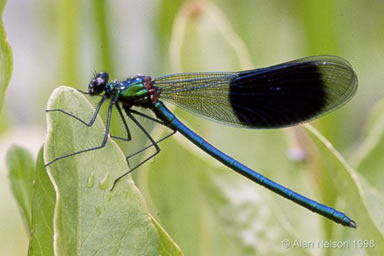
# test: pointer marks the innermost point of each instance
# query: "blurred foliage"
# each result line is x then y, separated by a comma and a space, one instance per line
43, 205
5, 59
21, 173
205, 208
369, 160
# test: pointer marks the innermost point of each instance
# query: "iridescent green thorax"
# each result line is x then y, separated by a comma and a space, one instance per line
134, 91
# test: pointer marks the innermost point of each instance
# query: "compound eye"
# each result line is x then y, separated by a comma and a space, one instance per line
103, 76
97, 84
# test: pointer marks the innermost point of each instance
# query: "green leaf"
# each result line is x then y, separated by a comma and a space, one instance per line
362, 203
202, 27
89, 218
5, 58
370, 160
167, 245
43, 206
21, 174
210, 210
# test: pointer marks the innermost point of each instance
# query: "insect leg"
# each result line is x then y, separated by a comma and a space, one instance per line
153, 143
90, 122
158, 141
107, 127
129, 136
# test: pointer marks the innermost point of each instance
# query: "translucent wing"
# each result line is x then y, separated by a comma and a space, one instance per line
272, 97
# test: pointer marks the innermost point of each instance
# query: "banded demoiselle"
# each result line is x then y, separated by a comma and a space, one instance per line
274, 97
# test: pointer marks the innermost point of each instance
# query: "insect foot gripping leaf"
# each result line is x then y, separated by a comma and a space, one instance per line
89, 218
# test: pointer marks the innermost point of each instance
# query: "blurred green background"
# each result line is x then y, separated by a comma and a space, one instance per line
206, 209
